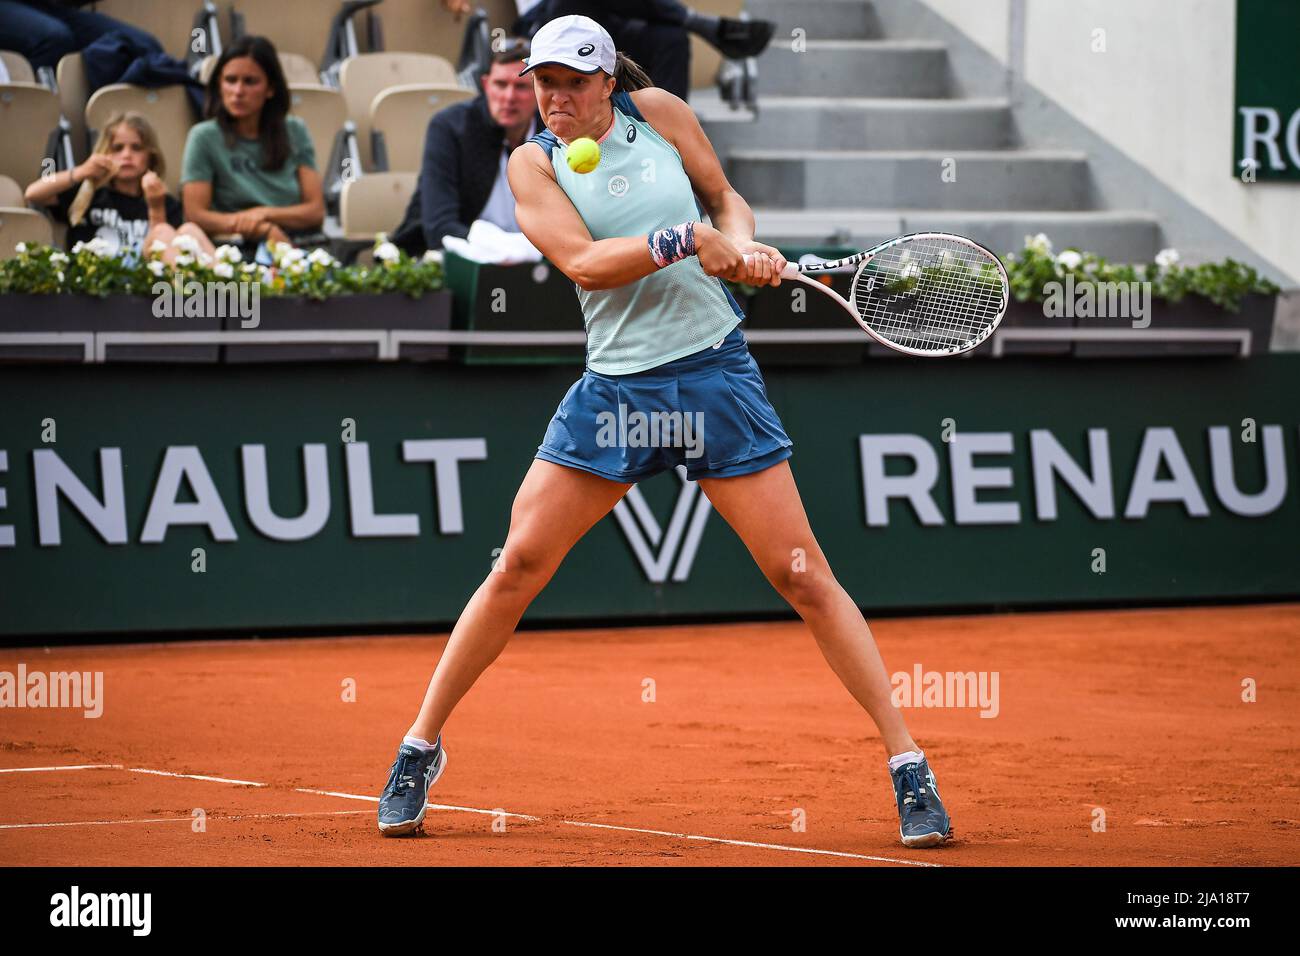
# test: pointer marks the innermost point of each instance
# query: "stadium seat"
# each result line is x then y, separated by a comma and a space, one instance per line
399, 117
365, 76
324, 111
11, 193
74, 93
170, 21
375, 203
299, 70
22, 225
168, 110
305, 27
20, 71
29, 113
419, 26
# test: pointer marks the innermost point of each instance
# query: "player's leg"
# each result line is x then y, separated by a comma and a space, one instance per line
554, 507
766, 512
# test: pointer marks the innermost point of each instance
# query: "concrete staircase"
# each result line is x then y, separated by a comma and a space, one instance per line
854, 135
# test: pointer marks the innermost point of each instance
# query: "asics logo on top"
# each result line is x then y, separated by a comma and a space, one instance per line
631, 133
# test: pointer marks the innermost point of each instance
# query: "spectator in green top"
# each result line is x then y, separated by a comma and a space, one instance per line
250, 169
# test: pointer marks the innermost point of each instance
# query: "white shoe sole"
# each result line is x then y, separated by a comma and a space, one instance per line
925, 840
402, 829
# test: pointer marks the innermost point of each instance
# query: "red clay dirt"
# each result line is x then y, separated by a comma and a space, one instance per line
1139, 713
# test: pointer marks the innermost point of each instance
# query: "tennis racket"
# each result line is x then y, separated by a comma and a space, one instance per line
928, 293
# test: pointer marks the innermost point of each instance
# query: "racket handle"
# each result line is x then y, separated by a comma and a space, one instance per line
791, 271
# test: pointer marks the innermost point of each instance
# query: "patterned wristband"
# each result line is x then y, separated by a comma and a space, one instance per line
669, 245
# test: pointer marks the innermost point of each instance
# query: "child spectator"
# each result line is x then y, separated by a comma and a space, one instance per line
118, 194
250, 169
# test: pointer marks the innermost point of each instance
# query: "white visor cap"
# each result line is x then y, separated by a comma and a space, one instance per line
577, 42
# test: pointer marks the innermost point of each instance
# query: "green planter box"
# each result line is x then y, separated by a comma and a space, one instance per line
374, 313
1193, 312
528, 297
84, 313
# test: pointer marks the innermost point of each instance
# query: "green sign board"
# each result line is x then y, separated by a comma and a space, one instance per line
1266, 118
140, 499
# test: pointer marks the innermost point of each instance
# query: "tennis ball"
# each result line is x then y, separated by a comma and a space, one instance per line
583, 155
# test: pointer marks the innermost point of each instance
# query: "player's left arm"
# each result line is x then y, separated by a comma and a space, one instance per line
673, 119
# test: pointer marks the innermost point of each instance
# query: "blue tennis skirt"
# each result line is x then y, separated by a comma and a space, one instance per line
708, 411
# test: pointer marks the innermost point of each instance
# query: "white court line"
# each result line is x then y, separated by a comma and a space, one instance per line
761, 846
431, 806
198, 776
238, 816
80, 766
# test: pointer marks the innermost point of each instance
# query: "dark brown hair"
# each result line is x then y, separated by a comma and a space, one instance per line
511, 50
271, 128
628, 75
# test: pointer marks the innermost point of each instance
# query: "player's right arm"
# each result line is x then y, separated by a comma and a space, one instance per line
552, 224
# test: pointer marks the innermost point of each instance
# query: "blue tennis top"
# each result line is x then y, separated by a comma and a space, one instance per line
638, 187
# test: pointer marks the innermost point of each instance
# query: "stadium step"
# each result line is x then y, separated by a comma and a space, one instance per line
859, 123
878, 68
912, 179
843, 19
1120, 236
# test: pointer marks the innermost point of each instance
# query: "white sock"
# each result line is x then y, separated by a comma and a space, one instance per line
419, 742
910, 756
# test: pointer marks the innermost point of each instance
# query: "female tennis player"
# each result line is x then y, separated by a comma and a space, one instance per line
662, 337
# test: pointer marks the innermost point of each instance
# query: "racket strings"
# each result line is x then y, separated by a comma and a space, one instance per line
933, 294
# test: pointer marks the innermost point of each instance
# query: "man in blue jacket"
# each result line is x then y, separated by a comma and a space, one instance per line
463, 172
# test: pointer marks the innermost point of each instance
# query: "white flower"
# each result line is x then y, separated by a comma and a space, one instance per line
77, 247
224, 269
100, 247
293, 254
205, 259
228, 253
387, 252
319, 257
59, 258
248, 267
432, 255
1069, 260
59, 275
184, 259
1039, 243
157, 247
1167, 258
297, 267
21, 248
264, 275
185, 243
157, 267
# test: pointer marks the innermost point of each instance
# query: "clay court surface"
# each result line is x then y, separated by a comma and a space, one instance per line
1136, 712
